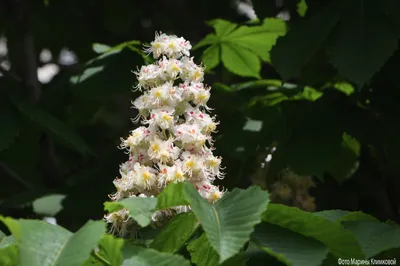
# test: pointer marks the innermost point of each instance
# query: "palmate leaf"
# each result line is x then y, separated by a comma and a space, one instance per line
300, 44
289, 247
42, 244
228, 223
341, 242
374, 236
240, 61
365, 39
316, 143
360, 36
211, 57
241, 48
139, 256
175, 234
53, 126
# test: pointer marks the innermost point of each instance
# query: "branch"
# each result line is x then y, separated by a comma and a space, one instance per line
16, 176
24, 37
28, 66
9, 74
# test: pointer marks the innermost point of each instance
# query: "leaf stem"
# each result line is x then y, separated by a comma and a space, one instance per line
100, 258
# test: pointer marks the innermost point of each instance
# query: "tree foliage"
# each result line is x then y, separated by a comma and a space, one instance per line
314, 96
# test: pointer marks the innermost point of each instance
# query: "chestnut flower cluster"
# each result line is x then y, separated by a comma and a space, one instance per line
174, 143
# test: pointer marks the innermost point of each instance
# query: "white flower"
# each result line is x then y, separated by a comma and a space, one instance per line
135, 138
175, 143
143, 177
171, 46
162, 117
173, 174
163, 151
119, 221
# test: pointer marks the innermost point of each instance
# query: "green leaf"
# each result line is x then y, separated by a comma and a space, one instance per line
341, 242
210, 39
264, 83
138, 256
344, 87
241, 48
211, 57
203, 254
44, 244
87, 73
111, 249
100, 48
222, 27
342, 216
171, 196
289, 247
112, 206
8, 251
365, 40
240, 61
175, 234
48, 205
54, 126
374, 237
346, 162
302, 8
228, 223
301, 43
258, 39
316, 144
140, 209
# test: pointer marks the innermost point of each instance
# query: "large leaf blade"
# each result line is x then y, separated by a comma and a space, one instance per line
43, 244
374, 236
341, 242
239, 61
139, 256
175, 234
289, 247
229, 223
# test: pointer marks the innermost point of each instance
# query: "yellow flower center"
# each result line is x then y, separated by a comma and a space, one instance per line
155, 147
167, 117
213, 162
197, 74
146, 176
215, 196
175, 68
179, 175
189, 164
202, 97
